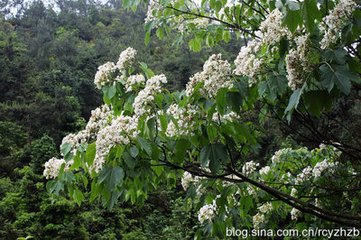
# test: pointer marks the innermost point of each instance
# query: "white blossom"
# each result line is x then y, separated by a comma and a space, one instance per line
228, 117
247, 63
294, 192
100, 117
146, 96
207, 212
249, 167
305, 175
104, 74
134, 81
298, 63
215, 75
321, 166
126, 59
265, 170
295, 214
121, 131
257, 220
333, 23
184, 118
272, 28
75, 140
187, 179
153, 8
53, 166
265, 208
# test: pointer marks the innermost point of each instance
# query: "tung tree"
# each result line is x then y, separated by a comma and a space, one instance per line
299, 62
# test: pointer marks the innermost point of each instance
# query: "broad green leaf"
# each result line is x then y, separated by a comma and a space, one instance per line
310, 13
78, 196
145, 145
317, 101
109, 91
115, 178
133, 151
293, 102
336, 74
180, 150
65, 149
90, 154
293, 19
213, 155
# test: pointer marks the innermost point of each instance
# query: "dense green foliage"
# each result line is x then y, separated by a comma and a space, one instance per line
48, 62
270, 141
300, 63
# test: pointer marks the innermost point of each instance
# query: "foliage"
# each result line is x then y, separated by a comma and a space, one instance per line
299, 59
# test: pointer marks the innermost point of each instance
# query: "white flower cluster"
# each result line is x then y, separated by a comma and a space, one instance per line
215, 75
249, 167
294, 192
228, 117
295, 214
104, 74
187, 180
258, 219
247, 63
265, 170
146, 96
133, 81
272, 28
126, 59
297, 63
305, 175
207, 212
201, 22
333, 23
74, 140
276, 158
53, 166
265, 208
183, 122
153, 8
121, 131
322, 166
100, 117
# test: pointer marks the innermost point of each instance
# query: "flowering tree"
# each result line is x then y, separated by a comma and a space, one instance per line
299, 58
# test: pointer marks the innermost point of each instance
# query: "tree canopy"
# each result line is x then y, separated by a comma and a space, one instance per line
266, 138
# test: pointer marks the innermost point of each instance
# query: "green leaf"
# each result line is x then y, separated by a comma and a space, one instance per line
65, 149
336, 74
145, 145
293, 19
180, 150
115, 178
160, 33
226, 36
90, 154
317, 101
221, 100
78, 196
54, 186
109, 91
310, 13
213, 155
195, 44
147, 38
293, 102
212, 133
134, 151
129, 160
